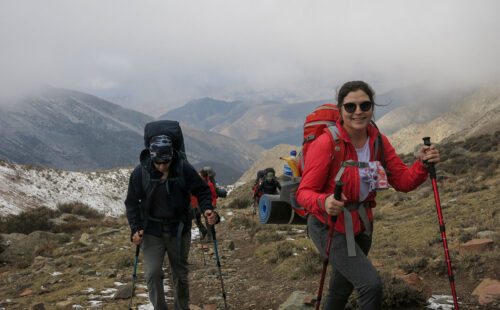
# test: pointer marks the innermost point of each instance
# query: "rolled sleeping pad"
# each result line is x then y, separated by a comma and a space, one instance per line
272, 210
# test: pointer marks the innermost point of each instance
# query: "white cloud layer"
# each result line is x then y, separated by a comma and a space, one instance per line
156, 55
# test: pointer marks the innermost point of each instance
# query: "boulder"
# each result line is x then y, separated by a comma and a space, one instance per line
296, 302
417, 283
476, 246
488, 290
19, 246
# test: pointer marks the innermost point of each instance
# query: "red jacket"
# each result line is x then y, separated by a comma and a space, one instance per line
194, 201
316, 185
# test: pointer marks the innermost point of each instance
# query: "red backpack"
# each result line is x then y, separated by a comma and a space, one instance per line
321, 120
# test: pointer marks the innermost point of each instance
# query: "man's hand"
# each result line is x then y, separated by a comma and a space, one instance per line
211, 216
137, 238
333, 206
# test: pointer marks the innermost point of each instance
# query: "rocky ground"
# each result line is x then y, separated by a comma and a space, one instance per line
88, 262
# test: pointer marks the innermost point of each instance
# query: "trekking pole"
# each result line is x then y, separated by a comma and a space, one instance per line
134, 275
432, 173
202, 252
212, 227
336, 195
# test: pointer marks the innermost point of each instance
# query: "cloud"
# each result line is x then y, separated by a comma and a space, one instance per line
156, 55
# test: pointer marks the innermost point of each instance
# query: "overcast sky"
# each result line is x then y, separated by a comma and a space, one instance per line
157, 55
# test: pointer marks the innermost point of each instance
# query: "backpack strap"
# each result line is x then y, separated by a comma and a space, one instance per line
338, 151
378, 142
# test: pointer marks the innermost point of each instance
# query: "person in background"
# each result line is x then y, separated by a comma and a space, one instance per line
363, 177
208, 175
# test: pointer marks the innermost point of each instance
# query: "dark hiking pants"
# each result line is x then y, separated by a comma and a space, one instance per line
347, 272
154, 249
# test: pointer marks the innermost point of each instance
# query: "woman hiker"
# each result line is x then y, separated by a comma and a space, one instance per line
362, 177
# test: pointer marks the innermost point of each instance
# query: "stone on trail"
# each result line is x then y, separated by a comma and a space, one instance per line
193, 307
64, 305
228, 244
296, 302
476, 246
488, 291
123, 292
26, 293
37, 306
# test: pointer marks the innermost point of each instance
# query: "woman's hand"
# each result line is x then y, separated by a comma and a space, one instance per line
429, 154
211, 217
332, 206
137, 238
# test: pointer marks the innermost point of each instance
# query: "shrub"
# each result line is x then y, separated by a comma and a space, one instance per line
240, 203
28, 221
275, 252
396, 294
416, 265
268, 236
79, 208
306, 263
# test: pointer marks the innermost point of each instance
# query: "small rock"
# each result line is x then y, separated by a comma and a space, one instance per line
418, 283
476, 246
123, 292
210, 307
64, 305
296, 302
193, 307
86, 239
26, 293
37, 306
486, 234
228, 244
210, 252
310, 300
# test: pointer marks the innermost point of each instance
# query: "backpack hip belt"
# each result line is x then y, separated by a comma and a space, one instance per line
349, 228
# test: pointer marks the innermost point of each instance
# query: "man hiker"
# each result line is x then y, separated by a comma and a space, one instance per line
158, 212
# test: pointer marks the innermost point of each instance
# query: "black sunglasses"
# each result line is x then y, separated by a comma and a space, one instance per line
161, 162
351, 107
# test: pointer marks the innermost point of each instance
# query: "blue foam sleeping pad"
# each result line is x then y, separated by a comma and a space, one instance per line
272, 210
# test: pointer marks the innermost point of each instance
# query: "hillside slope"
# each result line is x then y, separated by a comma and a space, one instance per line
476, 114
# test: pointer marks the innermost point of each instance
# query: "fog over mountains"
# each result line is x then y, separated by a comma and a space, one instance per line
70, 130
270, 124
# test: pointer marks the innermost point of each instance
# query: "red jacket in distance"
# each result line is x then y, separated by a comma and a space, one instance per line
316, 184
194, 201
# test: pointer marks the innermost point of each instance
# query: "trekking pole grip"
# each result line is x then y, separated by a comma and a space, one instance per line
432, 169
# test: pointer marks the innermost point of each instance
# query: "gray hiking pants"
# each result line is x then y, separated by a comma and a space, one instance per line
154, 249
347, 272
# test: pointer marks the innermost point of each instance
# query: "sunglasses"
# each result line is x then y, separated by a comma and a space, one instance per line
159, 163
351, 107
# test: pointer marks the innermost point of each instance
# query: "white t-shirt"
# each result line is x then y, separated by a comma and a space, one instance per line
363, 155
